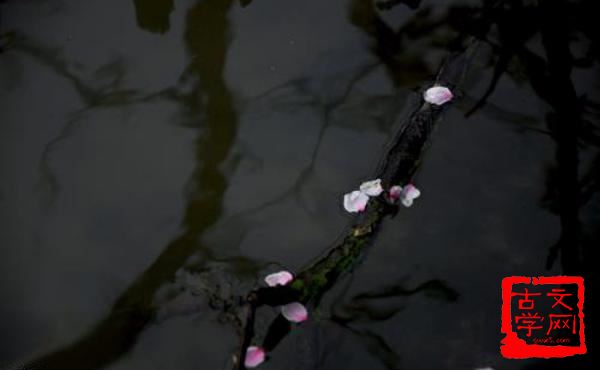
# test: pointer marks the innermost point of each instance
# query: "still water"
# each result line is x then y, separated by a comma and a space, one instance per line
159, 157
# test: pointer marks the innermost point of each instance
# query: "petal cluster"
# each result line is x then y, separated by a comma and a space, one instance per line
356, 201
406, 195
295, 311
409, 194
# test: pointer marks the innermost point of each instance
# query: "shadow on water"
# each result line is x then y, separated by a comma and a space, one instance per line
389, 45
206, 38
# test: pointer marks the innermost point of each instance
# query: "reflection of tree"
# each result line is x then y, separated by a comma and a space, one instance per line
206, 38
558, 24
153, 15
390, 46
550, 77
107, 95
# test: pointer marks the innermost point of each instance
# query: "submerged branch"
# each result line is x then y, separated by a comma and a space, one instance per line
398, 167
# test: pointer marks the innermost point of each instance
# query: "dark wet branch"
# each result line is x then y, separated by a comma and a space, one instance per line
398, 167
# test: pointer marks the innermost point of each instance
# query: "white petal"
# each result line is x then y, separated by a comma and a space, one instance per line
294, 312
406, 202
410, 191
437, 95
355, 201
408, 194
254, 356
372, 188
279, 278
395, 192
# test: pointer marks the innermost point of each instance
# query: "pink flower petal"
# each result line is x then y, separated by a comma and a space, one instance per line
355, 201
372, 188
254, 356
411, 191
395, 192
294, 312
409, 194
437, 95
279, 278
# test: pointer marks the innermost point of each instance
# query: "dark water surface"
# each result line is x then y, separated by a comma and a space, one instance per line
159, 157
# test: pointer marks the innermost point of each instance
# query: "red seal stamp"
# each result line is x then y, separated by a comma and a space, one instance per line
542, 317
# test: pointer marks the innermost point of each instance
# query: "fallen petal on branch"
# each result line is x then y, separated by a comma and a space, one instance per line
409, 194
355, 201
437, 95
279, 278
294, 312
254, 356
372, 188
